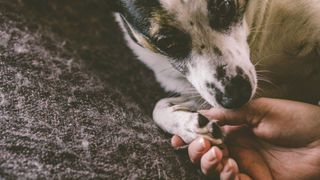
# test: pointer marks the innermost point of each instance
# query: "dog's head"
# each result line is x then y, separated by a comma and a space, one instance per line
206, 40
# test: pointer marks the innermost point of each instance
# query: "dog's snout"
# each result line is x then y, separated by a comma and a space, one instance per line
237, 92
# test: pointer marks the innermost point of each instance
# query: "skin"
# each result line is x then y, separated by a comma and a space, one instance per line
266, 139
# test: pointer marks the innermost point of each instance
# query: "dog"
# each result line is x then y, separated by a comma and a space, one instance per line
223, 53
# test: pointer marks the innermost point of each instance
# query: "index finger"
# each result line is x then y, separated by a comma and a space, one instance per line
251, 113
226, 116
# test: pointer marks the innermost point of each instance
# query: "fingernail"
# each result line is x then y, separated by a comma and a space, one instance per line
229, 166
174, 142
212, 155
201, 145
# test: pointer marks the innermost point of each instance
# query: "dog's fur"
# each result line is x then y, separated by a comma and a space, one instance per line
218, 52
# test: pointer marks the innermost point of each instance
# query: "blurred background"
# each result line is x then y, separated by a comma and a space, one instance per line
74, 102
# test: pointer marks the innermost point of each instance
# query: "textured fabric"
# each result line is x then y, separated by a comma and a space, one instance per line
74, 101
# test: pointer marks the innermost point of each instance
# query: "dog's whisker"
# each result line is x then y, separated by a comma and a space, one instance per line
259, 91
253, 29
264, 57
261, 80
264, 71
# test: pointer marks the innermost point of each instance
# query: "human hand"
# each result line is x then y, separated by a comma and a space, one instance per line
280, 140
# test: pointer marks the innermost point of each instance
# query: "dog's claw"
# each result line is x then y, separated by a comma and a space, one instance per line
202, 120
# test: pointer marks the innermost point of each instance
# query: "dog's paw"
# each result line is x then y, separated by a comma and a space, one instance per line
179, 117
200, 126
210, 127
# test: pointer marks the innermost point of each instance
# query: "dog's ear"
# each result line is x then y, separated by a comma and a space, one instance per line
138, 37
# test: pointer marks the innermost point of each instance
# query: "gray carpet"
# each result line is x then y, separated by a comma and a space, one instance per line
74, 102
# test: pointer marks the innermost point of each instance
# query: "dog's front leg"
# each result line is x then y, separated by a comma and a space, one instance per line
179, 116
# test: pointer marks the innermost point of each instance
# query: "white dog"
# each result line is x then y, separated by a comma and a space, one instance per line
214, 53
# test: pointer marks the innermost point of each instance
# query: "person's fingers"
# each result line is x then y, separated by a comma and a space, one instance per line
198, 148
211, 161
177, 142
226, 116
251, 162
241, 176
230, 170
251, 113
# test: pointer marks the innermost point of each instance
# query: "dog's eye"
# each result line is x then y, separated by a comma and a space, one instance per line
164, 43
172, 42
224, 8
221, 13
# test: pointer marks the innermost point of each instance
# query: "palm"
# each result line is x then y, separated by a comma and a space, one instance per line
263, 160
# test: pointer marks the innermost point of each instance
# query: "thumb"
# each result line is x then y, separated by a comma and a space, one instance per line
250, 114
226, 116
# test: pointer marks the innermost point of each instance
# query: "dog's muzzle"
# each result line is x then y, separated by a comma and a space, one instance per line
237, 93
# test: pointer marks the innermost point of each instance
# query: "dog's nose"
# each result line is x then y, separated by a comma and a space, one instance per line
237, 92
